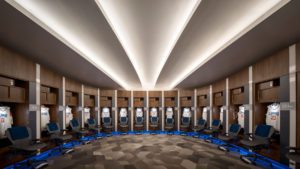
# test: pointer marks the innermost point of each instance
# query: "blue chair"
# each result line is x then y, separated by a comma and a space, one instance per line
80, 132
185, 123
21, 139
200, 125
107, 123
233, 133
139, 122
154, 121
215, 127
58, 137
169, 124
260, 139
92, 125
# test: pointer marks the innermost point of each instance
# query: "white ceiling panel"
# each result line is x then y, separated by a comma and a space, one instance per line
148, 31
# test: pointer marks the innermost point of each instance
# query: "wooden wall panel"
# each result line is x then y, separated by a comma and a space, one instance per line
219, 86
171, 93
272, 67
16, 66
107, 93
155, 93
50, 78
139, 93
90, 90
239, 79
186, 93
72, 85
203, 91
124, 93
298, 110
298, 57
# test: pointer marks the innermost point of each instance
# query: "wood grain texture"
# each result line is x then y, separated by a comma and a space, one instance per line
298, 57
124, 93
107, 93
50, 78
272, 67
298, 110
186, 93
219, 86
155, 93
203, 90
90, 90
16, 66
171, 93
239, 79
139, 94
72, 85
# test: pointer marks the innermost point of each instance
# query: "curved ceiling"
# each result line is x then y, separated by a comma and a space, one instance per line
140, 44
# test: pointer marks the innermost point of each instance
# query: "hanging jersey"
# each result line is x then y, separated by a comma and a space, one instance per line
87, 114
45, 117
153, 112
139, 112
273, 116
186, 112
69, 115
6, 120
222, 114
204, 113
241, 116
123, 112
105, 112
169, 113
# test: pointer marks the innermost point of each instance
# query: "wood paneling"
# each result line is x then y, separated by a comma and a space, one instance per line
16, 66
89, 100
219, 86
298, 57
272, 67
139, 93
72, 85
107, 93
90, 90
239, 79
124, 93
298, 110
172, 93
50, 78
186, 93
155, 93
203, 91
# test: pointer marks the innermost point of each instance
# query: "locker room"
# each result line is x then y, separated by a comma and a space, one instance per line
169, 84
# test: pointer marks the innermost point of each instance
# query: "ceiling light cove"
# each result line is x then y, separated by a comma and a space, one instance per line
148, 31
65, 27
248, 19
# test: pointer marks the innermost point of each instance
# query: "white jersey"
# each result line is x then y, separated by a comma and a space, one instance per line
273, 116
105, 112
204, 113
69, 115
153, 112
45, 117
87, 114
186, 112
123, 112
241, 116
6, 120
169, 113
139, 112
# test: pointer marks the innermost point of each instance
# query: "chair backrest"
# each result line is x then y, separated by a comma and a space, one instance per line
185, 120
169, 121
91, 122
216, 124
123, 116
53, 127
74, 123
19, 134
106, 120
263, 131
154, 120
201, 122
139, 116
234, 129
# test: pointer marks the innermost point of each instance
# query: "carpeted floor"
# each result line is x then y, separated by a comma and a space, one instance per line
148, 152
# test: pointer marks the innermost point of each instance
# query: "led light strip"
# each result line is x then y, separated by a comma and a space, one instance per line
29, 9
237, 31
147, 83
